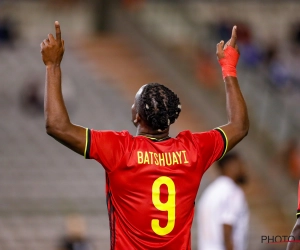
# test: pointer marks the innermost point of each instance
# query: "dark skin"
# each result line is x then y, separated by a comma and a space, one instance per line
227, 232
296, 233
59, 126
235, 169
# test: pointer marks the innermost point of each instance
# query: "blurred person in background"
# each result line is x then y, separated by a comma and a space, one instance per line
295, 241
222, 212
223, 28
7, 32
277, 72
151, 179
288, 157
292, 57
293, 159
251, 54
75, 237
32, 97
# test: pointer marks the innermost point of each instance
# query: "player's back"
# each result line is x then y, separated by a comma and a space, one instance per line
152, 186
155, 190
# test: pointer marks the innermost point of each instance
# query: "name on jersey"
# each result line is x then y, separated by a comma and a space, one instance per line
162, 159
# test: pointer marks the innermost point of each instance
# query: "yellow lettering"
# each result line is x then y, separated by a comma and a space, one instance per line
169, 163
161, 159
175, 160
156, 159
179, 156
140, 157
151, 157
146, 158
185, 160
168, 206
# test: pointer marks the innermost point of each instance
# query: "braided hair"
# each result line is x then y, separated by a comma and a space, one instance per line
158, 106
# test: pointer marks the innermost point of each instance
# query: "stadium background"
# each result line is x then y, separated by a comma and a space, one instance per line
112, 48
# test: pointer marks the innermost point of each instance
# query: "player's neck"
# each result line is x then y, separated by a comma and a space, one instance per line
148, 132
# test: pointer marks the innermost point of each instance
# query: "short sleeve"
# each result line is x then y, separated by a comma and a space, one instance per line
211, 145
106, 147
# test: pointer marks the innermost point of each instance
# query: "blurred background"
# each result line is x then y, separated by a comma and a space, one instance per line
114, 47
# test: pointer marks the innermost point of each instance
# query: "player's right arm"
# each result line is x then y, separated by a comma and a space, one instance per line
296, 233
58, 124
238, 122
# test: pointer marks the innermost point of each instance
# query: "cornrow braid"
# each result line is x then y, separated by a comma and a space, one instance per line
158, 106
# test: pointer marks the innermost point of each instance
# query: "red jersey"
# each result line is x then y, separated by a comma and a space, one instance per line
298, 210
151, 186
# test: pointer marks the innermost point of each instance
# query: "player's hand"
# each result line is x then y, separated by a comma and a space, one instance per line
228, 55
52, 49
231, 42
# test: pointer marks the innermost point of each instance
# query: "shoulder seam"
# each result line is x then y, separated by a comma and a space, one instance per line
225, 139
87, 144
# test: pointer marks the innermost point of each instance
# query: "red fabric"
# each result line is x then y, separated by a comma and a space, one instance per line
133, 165
298, 196
229, 61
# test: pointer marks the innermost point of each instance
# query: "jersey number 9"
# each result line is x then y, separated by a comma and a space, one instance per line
168, 206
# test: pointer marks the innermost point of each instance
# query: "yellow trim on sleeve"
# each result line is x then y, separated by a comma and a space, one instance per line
297, 214
226, 143
86, 141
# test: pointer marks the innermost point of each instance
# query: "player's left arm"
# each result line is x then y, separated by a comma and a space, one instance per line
296, 233
58, 124
238, 122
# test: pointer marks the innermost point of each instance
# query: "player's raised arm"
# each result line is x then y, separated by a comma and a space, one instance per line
58, 124
238, 123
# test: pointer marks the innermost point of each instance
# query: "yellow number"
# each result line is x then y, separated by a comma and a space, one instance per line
167, 206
